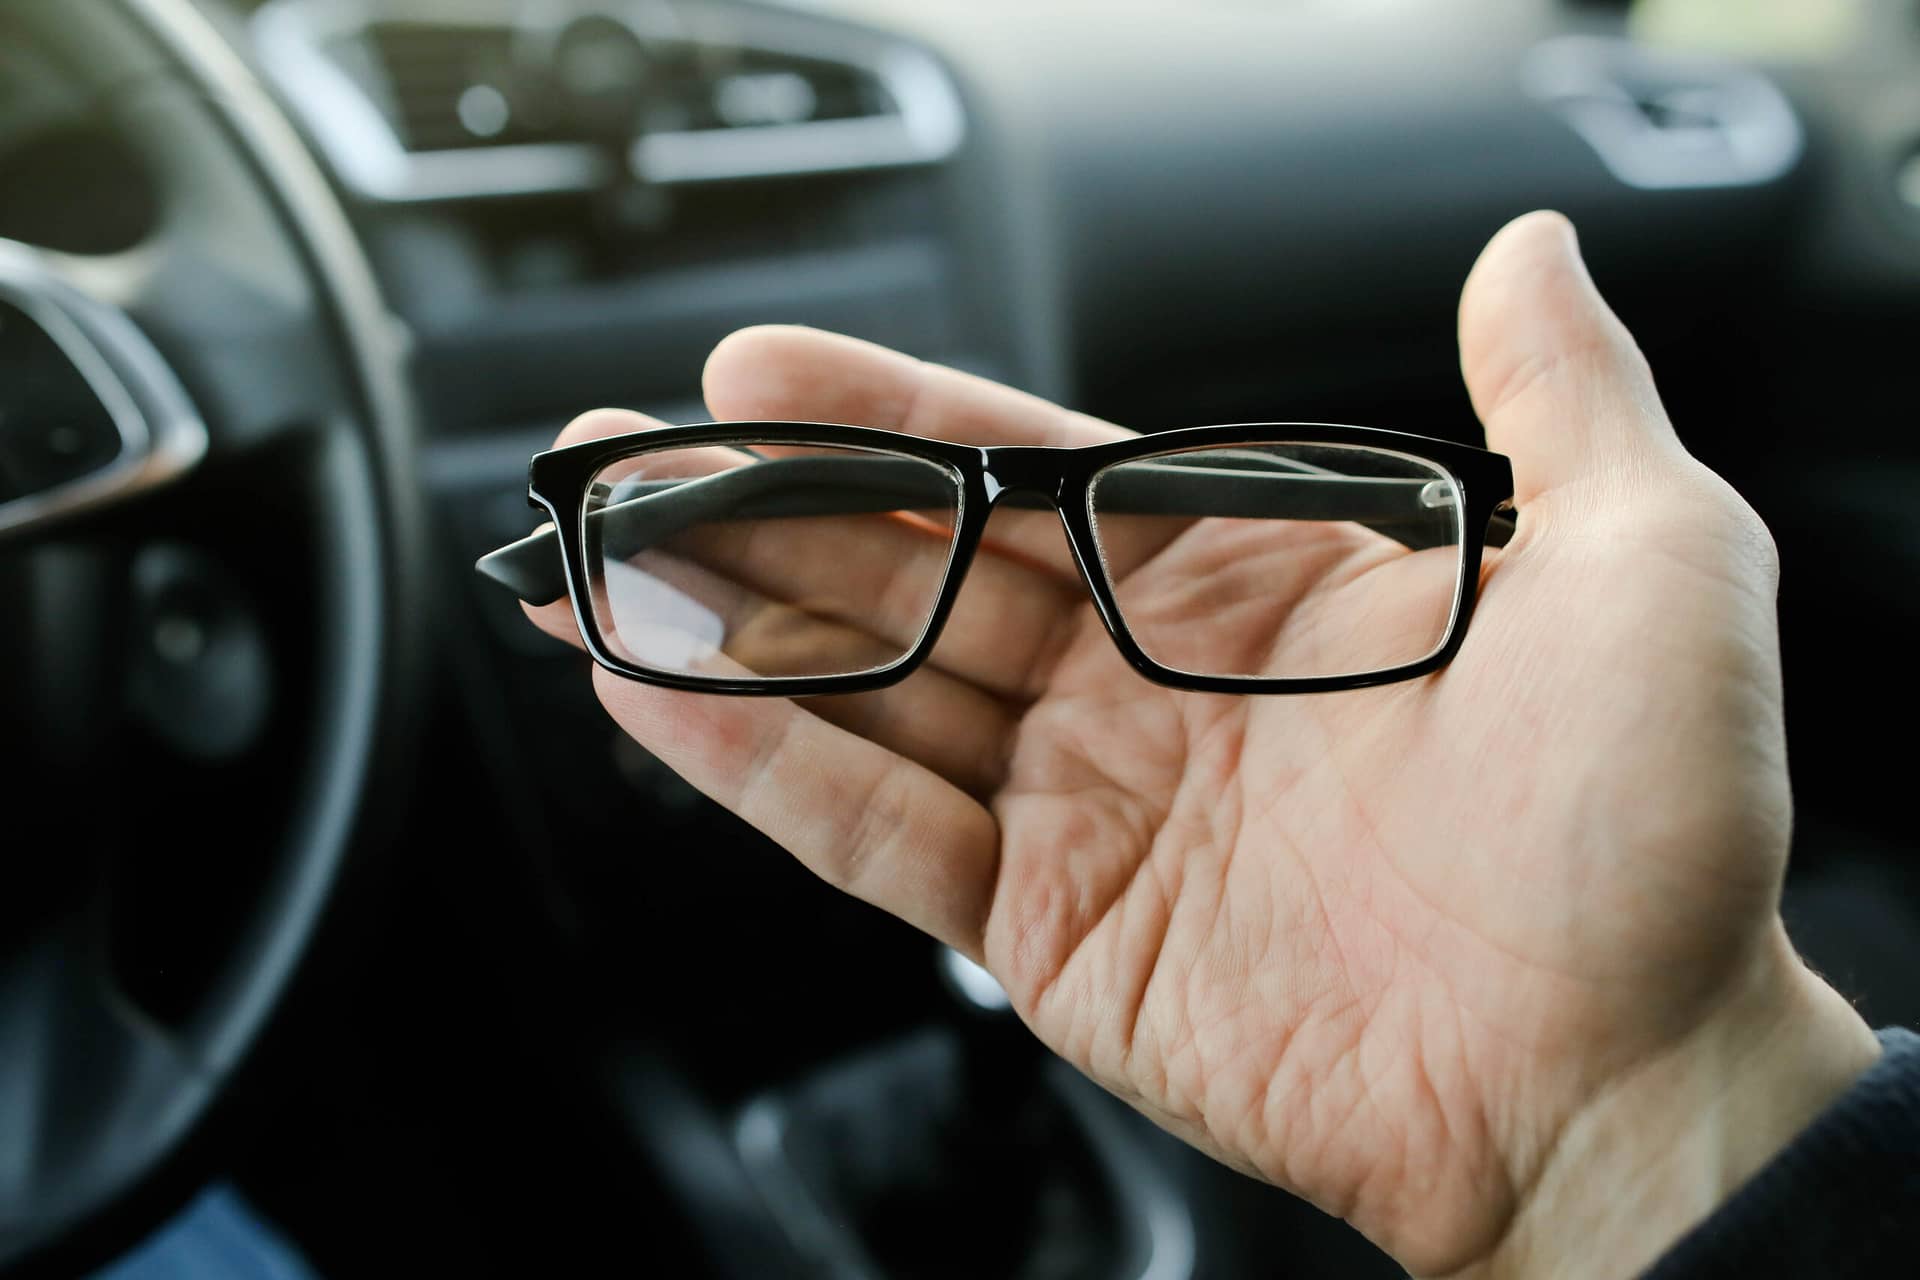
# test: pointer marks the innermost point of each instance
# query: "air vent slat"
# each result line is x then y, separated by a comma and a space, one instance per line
429, 67
417, 100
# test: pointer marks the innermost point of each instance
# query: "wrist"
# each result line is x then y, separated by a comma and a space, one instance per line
1664, 1145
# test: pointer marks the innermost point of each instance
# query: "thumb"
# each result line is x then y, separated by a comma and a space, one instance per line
1555, 377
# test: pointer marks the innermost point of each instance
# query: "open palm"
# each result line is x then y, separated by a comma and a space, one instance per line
1382, 947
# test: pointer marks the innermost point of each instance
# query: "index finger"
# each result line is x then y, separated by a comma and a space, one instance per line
790, 372
775, 372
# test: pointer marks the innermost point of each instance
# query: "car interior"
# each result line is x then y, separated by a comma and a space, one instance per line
327, 878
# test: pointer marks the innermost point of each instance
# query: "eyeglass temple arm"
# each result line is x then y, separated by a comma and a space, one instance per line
787, 487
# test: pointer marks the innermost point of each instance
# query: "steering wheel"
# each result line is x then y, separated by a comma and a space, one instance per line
210, 543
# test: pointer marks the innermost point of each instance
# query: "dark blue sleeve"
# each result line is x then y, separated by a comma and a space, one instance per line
1843, 1200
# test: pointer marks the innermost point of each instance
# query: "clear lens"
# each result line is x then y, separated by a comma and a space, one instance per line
767, 560
1281, 561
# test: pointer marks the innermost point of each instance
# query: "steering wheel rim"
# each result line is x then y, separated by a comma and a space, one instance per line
100, 1098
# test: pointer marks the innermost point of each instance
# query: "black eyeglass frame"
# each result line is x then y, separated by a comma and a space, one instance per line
558, 482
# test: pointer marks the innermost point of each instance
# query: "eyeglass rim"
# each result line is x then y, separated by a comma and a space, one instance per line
558, 481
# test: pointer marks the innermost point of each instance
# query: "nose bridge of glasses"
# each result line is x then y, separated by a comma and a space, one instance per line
1024, 468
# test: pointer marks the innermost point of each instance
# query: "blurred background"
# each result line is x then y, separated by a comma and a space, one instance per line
564, 1014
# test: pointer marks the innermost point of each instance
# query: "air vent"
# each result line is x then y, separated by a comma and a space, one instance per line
415, 100
448, 86
755, 90
1662, 121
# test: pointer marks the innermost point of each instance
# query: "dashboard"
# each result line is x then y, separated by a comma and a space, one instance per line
569, 201
1166, 212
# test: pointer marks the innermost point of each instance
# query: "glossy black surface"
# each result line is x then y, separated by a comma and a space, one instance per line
559, 478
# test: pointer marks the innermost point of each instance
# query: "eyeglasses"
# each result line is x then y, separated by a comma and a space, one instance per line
788, 558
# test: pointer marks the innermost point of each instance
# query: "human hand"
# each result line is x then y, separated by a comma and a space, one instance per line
1488, 963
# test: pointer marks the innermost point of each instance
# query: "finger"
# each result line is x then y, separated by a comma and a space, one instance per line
953, 728
774, 371
787, 372
863, 818
556, 619
1127, 542
597, 424
1326, 599
883, 576
1555, 377
880, 573
947, 725
1001, 635
779, 371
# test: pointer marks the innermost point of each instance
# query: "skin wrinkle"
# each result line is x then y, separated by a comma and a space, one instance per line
1412, 887
908, 589
907, 411
1232, 1088
1478, 1127
1183, 861
906, 414
1022, 624
902, 621
1042, 641
897, 715
1189, 899
1078, 764
629, 703
1442, 915
1332, 561
1223, 743
880, 813
1153, 945
1095, 928
759, 771
1034, 923
1329, 937
1226, 834
975, 754
1524, 1153
1535, 370
1393, 1170
1069, 936
1255, 1067
1087, 763
1229, 1081
1376, 1182
1046, 658
1620, 1079
1333, 583
1311, 1089
982, 922
1434, 1101
1399, 956
1181, 1055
